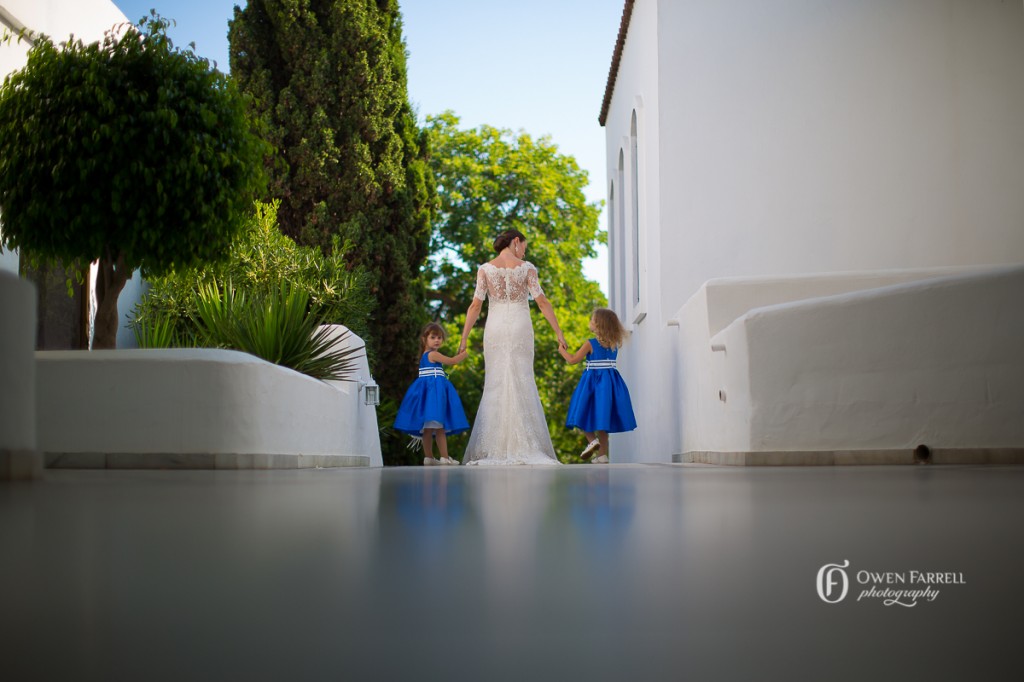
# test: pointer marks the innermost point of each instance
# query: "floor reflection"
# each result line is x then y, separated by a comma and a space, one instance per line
584, 572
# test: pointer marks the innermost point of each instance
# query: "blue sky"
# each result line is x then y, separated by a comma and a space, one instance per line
533, 65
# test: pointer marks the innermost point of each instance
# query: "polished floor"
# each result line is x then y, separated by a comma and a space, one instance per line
621, 572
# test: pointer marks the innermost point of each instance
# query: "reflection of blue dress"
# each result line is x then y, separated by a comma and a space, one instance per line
601, 399
431, 398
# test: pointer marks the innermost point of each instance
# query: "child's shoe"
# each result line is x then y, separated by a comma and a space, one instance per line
603, 459
591, 448
430, 461
449, 461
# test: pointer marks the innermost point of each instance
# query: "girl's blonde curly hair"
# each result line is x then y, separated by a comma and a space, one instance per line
609, 331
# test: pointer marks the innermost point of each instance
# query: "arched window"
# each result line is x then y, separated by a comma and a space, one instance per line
613, 249
621, 258
634, 200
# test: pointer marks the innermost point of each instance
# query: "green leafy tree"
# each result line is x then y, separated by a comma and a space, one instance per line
489, 180
126, 151
328, 80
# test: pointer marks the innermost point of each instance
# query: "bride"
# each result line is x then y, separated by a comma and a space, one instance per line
510, 427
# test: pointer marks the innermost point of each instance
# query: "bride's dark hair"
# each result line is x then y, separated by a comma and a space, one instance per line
506, 238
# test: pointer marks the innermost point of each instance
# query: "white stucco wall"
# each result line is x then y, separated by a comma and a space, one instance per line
357, 421
180, 402
716, 371
8, 259
133, 291
804, 136
933, 362
17, 364
86, 19
807, 137
638, 75
19, 457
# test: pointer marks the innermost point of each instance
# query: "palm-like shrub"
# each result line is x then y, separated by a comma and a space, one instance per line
161, 332
277, 325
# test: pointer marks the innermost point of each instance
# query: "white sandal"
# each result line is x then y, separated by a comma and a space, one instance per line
591, 448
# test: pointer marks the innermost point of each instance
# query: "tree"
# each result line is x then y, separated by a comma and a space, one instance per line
328, 80
489, 180
126, 151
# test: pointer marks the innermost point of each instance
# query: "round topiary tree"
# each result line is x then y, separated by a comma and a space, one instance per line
126, 151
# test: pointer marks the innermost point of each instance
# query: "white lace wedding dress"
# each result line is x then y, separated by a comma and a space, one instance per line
510, 427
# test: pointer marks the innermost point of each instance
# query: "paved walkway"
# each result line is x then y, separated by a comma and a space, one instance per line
621, 572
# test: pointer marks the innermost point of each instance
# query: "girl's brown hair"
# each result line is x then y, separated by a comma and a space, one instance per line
506, 238
432, 328
609, 331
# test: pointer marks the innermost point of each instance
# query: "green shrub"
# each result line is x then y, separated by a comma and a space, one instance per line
261, 261
160, 332
276, 324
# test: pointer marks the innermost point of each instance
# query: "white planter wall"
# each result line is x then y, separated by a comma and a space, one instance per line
933, 362
196, 408
18, 456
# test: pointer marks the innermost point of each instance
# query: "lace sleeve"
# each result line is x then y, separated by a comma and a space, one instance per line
533, 282
481, 285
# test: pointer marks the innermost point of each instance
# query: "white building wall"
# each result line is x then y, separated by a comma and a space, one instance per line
638, 91
58, 19
806, 136
809, 136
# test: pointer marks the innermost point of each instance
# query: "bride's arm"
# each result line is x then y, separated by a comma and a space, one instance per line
548, 311
471, 314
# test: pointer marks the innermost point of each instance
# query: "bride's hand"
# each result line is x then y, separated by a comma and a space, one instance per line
462, 346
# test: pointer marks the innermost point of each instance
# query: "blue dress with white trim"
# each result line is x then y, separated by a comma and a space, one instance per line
601, 400
432, 401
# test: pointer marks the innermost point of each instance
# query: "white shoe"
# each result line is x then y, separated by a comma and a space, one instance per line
430, 461
591, 448
449, 461
603, 459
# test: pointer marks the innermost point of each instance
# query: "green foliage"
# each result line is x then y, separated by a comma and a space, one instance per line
489, 180
160, 332
259, 262
276, 324
127, 148
328, 82
125, 151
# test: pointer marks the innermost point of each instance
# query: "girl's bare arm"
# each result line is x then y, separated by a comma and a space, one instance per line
578, 356
434, 356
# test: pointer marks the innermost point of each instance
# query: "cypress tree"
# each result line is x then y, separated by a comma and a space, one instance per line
328, 81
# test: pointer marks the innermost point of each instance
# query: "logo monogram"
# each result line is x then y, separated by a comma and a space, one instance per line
831, 577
